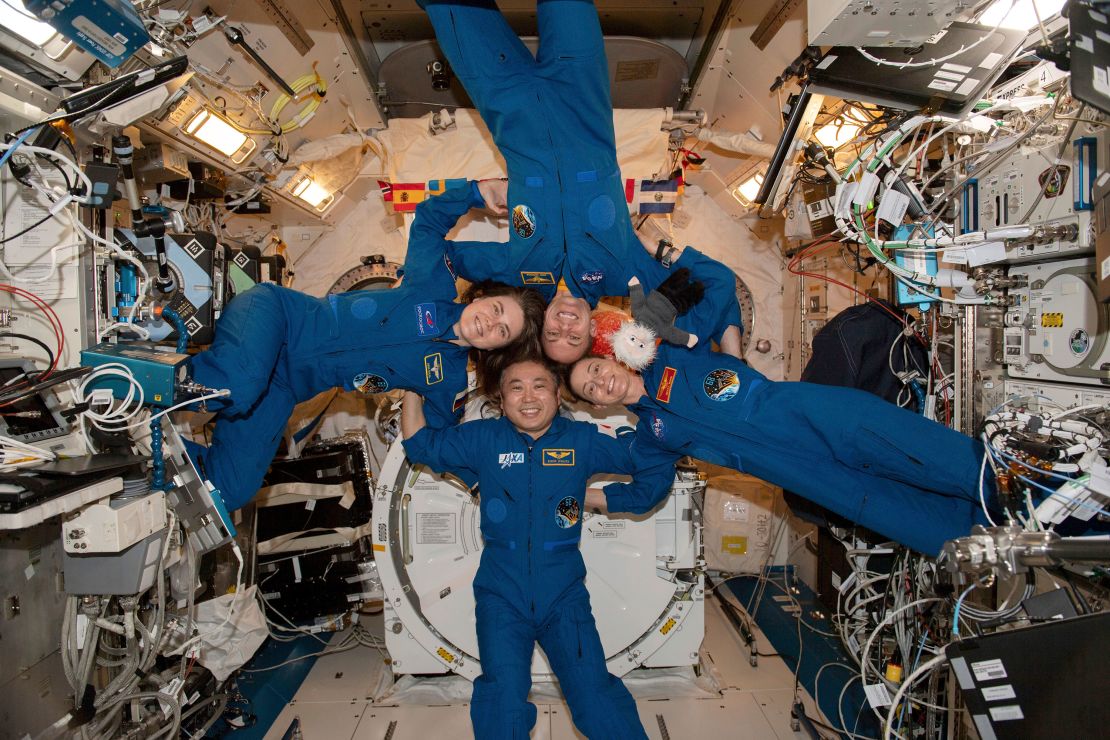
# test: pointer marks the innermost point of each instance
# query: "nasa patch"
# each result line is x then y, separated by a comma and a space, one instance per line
426, 319
524, 221
450, 266
368, 383
657, 427
567, 512
721, 385
593, 277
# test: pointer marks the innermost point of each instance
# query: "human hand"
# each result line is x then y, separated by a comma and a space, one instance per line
496, 195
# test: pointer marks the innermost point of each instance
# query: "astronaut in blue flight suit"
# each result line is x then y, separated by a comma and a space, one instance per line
277, 347
893, 471
532, 466
551, 116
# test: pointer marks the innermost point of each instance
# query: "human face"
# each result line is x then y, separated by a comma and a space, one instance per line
489, 323
529, 397
601, 381
567, 328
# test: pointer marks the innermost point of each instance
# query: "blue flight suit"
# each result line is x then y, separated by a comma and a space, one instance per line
893, 471
530, 584
551, 116
276, 347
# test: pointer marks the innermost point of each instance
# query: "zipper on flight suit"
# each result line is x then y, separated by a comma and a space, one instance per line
531, 586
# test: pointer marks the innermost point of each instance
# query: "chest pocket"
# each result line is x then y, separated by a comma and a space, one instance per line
498, 527
726, 394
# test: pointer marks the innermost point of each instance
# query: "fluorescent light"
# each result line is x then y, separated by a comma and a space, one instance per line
836, 133
16, 18
1022, 16
312, 193
217, 133
746, 191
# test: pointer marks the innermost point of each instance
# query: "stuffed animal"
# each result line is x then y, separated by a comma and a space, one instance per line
634, 345
633, 342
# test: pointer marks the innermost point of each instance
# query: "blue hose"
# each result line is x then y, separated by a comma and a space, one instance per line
918, 393
179, 324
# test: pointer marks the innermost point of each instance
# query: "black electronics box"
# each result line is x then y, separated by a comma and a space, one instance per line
208, 183
1044, 681
1090, 49
971, 65
334, 461
313, 586
820, 200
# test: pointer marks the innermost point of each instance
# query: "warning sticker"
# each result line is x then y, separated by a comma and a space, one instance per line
435, 529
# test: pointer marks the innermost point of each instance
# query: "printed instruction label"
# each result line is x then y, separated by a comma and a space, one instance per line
998, 693
988, 670
1008, 712
736, 510
435, 529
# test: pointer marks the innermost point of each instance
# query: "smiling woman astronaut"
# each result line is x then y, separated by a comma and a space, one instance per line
277, 347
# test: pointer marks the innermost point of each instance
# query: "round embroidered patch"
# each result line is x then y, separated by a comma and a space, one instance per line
721, 384
524, 221
367, 383
657, 427
496, 511
602, 212
568, 512
593, 277
1079, 342
364, 308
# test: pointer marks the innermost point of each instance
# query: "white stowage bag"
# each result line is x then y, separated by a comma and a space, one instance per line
739, 514
224, 648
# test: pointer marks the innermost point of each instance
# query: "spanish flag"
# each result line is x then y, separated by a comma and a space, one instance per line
407, 196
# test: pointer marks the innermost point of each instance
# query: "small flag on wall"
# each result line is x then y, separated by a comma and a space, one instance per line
407, 196
654, 196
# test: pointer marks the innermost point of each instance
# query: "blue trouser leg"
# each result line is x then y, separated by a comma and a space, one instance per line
571, 58
250, 336
483, 51
499, 707
243, 446
886, 468
600, 704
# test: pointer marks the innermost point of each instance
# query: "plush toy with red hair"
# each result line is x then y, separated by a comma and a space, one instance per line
633, 341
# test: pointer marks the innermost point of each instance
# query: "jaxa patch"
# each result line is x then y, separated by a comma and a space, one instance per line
508, 459
657, 427
433, 368
593, 277
537, 278
426, 319
558, 458
721, 385
524, 221
368, 383
666, 384
567, 512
